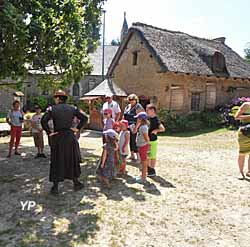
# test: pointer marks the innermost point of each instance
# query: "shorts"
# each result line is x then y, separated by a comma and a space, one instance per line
153, 150
38, 139
143, 152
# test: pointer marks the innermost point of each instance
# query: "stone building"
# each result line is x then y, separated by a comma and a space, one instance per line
178, 71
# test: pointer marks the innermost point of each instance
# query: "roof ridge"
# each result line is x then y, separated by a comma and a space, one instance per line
140, 24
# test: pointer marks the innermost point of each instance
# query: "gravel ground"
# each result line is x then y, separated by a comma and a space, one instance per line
196, 199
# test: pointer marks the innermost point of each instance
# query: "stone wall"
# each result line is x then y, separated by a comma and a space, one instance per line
146, 79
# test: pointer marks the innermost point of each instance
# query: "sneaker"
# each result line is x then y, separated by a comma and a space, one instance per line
42, 155
151, 172
139, 180
17, 153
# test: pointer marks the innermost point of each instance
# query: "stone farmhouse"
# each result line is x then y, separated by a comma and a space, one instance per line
177, 71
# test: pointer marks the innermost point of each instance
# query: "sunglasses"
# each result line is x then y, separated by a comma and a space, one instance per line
131, 99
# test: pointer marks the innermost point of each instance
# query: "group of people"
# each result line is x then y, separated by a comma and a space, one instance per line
135, 133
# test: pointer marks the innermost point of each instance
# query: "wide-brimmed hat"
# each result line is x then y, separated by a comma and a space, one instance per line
60, 93
111, 133
142, 115
132, 96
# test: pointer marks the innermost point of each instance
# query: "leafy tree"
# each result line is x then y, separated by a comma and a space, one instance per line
43, 33
115, 42
247, 52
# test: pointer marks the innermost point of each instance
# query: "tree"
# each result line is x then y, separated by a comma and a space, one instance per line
43, 33
247, 53
115, 42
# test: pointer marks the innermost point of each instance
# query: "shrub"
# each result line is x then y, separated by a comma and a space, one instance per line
190, 122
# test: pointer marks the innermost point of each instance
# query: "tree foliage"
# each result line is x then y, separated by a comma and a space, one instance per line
247, 53
43, 33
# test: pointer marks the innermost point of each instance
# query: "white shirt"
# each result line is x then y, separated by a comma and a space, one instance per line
114, 106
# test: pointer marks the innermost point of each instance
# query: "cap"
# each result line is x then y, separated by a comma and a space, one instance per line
109, 111
37, 107
142, 115
111, 133
116, 124
60, 93
125, 122
108, 95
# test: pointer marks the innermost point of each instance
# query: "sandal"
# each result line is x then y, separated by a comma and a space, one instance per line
248, 174
241, 176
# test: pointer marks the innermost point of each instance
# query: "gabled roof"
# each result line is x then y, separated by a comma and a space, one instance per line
106, 87
181, 52
96, 58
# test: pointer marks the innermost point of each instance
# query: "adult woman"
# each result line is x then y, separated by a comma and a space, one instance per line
131, 110
243, 114
15, 120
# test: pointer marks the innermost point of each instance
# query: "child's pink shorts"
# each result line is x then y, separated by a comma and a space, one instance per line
143, 152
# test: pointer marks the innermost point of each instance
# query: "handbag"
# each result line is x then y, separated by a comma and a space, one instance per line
246, 130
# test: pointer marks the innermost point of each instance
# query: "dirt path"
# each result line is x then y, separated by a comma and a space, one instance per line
195, 201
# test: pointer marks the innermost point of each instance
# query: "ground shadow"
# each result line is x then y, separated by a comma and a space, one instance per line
162, 182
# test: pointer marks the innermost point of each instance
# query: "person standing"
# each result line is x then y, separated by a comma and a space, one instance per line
113, 105
15, 120
155, 126
142, 141
37, 132
243, 114
65, 150
131, 110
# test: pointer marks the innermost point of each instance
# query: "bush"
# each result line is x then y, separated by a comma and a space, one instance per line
190, 122
230, 110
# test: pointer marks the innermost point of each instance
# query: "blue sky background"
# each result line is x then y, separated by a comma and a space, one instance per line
202, 18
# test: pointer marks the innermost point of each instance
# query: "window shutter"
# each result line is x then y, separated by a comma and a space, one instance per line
210, 96
177, 99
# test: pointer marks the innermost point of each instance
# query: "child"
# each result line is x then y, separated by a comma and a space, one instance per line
108, 121
37, 132
124, 139
15, 120
117, 127
155, 127
142, 142
107, 165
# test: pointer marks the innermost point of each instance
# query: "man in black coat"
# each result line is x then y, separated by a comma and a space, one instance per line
65, 150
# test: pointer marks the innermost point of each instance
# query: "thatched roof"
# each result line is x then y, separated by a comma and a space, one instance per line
181, 52
104, 88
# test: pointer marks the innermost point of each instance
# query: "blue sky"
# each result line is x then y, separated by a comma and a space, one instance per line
202, 18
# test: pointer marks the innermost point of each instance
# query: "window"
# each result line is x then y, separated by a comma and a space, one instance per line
218, 63
195, 102
210, 96
135, 58
76, 89
177, 98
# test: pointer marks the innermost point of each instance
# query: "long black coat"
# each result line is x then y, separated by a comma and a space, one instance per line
65, 151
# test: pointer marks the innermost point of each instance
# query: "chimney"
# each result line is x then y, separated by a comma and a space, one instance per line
220, 39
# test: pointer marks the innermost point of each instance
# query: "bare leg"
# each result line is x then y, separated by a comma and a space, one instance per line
152, 163
144, 169
241, 160
248, 168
